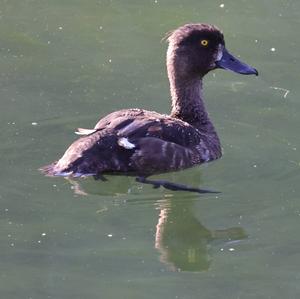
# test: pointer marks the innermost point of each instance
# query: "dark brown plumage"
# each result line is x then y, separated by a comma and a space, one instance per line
146, 142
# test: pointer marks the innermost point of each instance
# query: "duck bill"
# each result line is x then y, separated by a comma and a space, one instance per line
229, 62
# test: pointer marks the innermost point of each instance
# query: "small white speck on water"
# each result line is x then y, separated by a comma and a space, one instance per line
256, 41
231, 249
34, 123
272, 49
39, 241
12, 244
254, 165
155, 1
109, 235
222, 249
60, 28
109, 60
100, 28
43, 234
285, 91
48, 42
222, 5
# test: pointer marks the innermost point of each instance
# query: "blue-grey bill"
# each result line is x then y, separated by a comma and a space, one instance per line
229, 62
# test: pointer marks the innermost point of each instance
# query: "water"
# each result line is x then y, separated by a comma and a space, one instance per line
64, 64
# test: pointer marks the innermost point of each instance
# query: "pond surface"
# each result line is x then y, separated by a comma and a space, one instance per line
63, 65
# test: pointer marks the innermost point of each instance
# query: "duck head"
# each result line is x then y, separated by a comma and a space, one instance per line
196, 49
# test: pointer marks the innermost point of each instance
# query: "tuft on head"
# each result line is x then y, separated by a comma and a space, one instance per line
196, 49
193, 50
189, 32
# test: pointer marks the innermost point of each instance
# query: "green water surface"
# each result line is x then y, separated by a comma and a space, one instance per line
66, 63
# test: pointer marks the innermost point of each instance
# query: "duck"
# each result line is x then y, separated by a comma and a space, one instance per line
143, 143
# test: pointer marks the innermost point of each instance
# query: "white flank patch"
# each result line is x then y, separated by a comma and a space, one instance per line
125, 143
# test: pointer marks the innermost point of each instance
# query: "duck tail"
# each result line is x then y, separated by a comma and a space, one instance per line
53, 171
48, 170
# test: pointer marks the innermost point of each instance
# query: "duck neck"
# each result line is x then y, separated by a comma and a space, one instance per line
187, 102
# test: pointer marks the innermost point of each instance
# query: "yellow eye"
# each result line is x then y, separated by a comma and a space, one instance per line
204, 42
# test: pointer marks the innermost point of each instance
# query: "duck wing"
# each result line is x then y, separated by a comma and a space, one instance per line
139, 123
133, 140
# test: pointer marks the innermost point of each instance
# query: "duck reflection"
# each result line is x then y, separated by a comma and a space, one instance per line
182, 241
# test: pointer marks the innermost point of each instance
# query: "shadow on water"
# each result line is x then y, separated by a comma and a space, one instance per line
183, 242
116, 184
